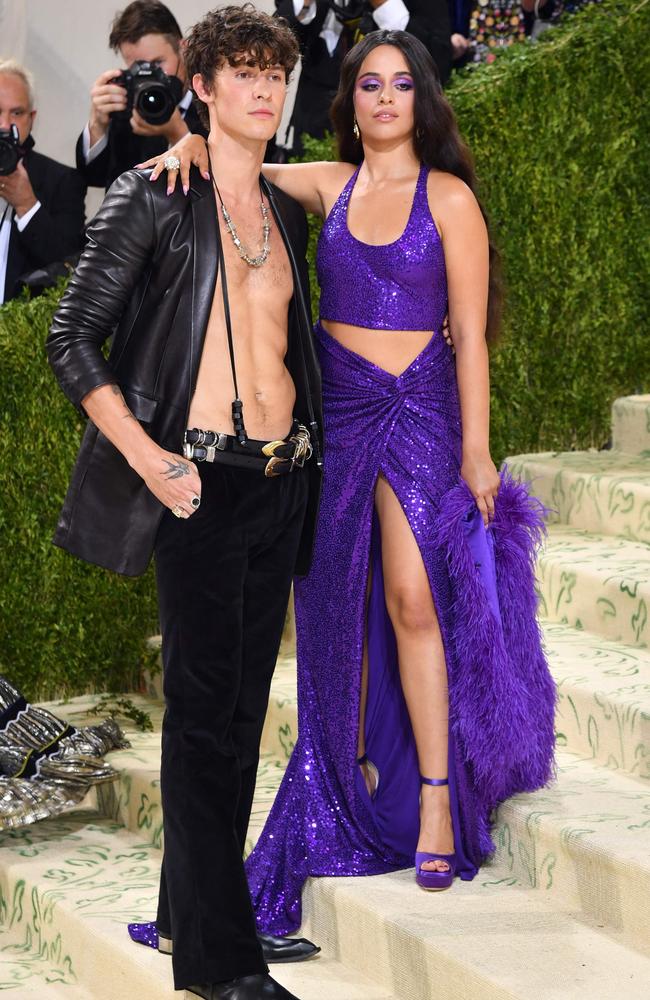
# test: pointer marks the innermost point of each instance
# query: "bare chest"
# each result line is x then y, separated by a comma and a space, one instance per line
271, 283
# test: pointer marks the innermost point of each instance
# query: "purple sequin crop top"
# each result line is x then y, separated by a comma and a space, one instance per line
395, 286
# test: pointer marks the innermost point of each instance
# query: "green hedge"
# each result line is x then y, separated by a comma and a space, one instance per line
559, 133
65, 627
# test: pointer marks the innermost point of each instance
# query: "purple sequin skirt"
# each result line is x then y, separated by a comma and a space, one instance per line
406, 428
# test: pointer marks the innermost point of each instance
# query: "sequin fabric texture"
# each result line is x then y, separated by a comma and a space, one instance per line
398, 286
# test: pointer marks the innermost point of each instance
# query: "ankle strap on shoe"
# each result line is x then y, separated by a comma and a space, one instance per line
434, 781
363, 759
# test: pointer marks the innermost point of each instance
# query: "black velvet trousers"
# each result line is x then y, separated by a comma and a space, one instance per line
224, 577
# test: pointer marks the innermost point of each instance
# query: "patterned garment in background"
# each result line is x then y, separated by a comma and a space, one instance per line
496, 24
46, 765
493, 25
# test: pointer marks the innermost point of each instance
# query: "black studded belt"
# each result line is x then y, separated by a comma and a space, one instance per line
273, 458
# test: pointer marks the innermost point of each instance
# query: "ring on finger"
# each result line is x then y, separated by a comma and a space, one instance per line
177, 511
196, 502
171, 163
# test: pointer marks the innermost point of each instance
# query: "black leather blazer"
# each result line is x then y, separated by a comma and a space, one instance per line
148, 276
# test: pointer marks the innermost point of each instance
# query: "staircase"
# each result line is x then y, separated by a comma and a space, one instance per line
562, 912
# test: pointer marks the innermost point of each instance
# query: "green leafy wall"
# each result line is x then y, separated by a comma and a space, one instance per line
559, 131
65, 627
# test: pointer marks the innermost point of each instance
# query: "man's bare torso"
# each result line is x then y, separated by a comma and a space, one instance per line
259, 304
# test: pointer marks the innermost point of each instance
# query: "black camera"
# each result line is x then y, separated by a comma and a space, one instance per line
10, 150
149, 91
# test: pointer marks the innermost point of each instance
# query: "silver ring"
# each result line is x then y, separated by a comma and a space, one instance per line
196, 502
177, 511
171, 163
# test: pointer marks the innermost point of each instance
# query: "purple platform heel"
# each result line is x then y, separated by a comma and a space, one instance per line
432, 880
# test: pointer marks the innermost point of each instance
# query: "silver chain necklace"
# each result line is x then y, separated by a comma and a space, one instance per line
262, 257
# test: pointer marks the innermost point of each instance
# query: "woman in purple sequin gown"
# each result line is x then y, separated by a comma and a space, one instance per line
418, 647
395, 605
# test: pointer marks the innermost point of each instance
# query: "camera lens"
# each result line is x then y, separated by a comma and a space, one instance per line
154, 103
9, 157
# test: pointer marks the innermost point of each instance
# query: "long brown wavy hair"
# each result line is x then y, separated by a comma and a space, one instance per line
436, 139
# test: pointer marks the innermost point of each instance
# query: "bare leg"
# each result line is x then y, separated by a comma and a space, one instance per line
422, 666
369, 775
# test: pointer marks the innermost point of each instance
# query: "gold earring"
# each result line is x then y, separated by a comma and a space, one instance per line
355, 129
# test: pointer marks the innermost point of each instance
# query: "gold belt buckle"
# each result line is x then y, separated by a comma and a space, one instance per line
271, 464
270, 450
301, 452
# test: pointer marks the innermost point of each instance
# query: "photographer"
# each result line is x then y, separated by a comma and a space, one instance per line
326, 30
41, 201
117, 135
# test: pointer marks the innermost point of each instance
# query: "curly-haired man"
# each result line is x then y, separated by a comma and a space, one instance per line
202, 423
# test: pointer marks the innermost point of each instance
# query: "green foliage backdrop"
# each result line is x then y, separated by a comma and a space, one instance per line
65, 627
559, 132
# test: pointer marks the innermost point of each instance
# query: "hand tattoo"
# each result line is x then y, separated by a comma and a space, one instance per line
175, 470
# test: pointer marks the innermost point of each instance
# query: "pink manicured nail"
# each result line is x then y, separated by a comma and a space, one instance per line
170, 190
206, 174
185, 189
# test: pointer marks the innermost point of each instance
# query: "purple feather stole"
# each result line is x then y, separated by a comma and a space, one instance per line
502, 695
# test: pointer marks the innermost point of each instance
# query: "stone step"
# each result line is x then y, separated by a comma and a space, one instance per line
78, 880
603, 710
607, 492
596, 582
603, 714
631, 424
489, 939
584, 842
576, 854
71, 886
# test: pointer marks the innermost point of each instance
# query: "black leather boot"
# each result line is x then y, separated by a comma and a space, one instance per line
275, 949
259, 987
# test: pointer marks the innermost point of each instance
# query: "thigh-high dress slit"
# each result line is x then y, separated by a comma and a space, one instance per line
407, 429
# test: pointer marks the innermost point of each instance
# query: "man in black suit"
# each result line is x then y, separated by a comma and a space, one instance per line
205, 302
327, 29
41, 201
145, 30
